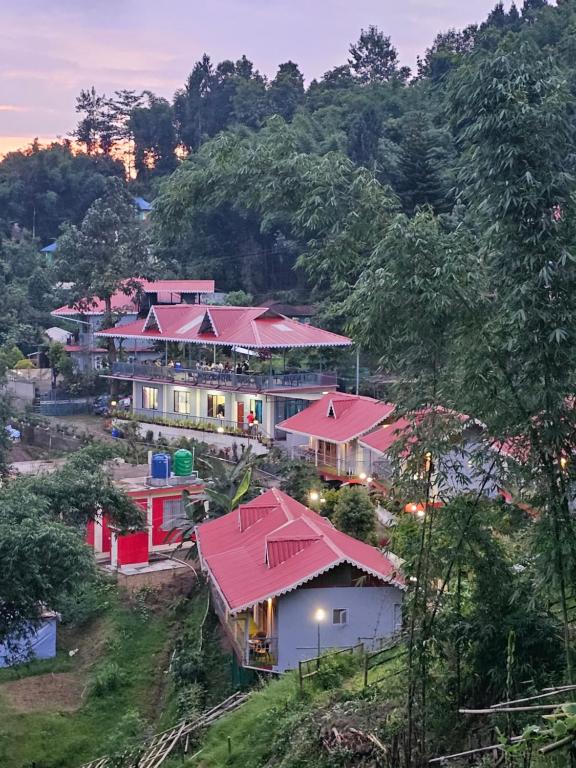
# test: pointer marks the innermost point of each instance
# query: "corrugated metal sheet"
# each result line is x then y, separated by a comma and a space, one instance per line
251, 327
303, 545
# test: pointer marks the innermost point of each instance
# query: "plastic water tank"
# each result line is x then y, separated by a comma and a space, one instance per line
160, 469
116, 433
183, 462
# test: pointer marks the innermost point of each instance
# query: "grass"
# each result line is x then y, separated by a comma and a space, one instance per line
133, 640
261, 732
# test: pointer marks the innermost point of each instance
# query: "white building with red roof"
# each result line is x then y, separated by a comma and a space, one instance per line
284, 580
128, 305
328, 432
232, 364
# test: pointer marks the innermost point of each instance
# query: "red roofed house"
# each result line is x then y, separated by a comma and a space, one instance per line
329, 430
162, 501
192, 392
461, 468
89, 313
280, 574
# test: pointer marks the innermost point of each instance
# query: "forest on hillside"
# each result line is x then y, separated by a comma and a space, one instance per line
265, 184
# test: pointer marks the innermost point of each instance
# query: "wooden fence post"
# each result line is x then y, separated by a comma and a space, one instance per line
365, 670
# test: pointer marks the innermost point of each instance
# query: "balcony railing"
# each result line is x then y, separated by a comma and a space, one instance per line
262, 651
325, 461
254, 382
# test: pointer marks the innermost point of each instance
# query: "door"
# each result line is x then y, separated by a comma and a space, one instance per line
240, 413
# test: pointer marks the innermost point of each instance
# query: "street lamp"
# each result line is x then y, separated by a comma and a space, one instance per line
320, 615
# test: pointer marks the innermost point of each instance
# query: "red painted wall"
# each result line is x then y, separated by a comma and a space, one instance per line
159, 535
89, 538
133, 548
106, 535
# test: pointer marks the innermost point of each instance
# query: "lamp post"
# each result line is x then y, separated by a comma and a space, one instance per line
320, 615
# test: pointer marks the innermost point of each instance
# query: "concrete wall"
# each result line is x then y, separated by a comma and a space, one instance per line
373, 612
211, 438
21, 392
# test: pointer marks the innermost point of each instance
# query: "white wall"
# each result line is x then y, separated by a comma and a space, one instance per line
371, 615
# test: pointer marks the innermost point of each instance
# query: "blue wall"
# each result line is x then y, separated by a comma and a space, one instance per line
40, 643
371, 615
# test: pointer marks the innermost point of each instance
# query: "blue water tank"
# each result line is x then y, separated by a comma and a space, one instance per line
160, 469
116, 433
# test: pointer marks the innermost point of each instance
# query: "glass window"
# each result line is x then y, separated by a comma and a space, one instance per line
173, 515
216, 406
339, 616
150, 398
182, 401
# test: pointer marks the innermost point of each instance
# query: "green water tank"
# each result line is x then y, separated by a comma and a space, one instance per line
182, 462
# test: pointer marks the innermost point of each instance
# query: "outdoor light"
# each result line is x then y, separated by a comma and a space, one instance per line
362, 475
414, 508
322, 500
369, 480
314, 495
113, 403
320, 614
420, 513
220, 430
563, 462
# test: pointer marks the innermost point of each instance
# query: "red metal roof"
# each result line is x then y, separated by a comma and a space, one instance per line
285, 546
251, 327
338, 417
384, 437
168, 290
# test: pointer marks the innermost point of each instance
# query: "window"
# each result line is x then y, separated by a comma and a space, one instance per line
182, 401
173, 515
150, 398
216, 406
256, 408
339, 616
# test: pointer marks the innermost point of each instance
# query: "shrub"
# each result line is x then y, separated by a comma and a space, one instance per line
24, 364
334, 669
106, 679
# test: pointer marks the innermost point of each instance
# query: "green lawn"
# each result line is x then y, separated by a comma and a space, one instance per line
136, 643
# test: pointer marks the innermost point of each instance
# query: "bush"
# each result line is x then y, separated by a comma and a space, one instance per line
334, 669
25, 364
106, 679
88, 601
354, 513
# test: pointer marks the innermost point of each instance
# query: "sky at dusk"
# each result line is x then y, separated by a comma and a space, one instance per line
50, 49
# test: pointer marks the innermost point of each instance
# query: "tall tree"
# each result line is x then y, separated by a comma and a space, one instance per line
96, 121
154, 134
374, 59
107, 253
286, 91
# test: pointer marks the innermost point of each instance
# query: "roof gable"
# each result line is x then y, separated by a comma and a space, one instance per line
152, 323
338, 417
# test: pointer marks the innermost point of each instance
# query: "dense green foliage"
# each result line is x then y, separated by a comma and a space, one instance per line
42, 523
